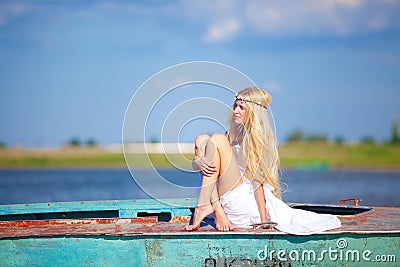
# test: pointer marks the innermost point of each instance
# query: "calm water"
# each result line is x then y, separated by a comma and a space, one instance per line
33, 186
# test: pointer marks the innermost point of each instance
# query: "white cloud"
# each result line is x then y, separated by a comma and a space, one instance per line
378, 23
297, 17
222, 31
350, 3
315, 17
206, 9
223, 20
11, 9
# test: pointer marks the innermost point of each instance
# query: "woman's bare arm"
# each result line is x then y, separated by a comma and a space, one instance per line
199, 162
260, 199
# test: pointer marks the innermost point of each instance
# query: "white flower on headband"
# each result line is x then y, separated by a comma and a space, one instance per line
249, 101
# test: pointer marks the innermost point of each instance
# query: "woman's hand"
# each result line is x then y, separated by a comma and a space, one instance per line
207, 168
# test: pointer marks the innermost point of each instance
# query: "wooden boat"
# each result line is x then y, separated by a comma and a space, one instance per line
151, 233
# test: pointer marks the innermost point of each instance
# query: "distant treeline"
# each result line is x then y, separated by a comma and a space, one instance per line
76, 142
299, 136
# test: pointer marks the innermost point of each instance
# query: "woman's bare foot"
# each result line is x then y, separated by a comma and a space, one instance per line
221, 221
199, 214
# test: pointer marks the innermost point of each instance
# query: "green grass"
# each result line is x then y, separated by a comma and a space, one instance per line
292, 155
337, 156
58, 159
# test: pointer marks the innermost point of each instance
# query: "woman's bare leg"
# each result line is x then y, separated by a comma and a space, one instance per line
208, 188
229, 176
221, 221
218, 151
229, 179
207, 151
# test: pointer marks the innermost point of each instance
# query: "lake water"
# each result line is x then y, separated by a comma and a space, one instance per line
375, 188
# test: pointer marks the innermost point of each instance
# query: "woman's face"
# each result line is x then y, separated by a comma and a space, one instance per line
239, 110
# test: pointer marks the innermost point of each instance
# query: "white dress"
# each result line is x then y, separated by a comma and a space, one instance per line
241, 209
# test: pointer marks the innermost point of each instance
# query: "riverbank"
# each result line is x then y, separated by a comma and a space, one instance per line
292, 155
340, 156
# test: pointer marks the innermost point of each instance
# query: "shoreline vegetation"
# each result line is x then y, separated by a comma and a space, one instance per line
293, 155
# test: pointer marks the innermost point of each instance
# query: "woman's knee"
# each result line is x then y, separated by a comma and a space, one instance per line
220, 140
201, 140
201, 137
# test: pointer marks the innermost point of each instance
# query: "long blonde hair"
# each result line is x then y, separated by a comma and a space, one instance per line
259, 148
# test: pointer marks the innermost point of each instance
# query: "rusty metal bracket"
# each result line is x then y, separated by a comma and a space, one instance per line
264, 225
354, 200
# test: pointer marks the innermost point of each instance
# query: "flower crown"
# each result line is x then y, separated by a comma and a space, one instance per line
249, 101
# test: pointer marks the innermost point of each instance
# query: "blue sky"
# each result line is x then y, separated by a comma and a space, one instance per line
69, 68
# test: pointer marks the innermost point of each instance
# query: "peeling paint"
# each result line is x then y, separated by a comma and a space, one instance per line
153, 252
377, 220
143, 241
184, 219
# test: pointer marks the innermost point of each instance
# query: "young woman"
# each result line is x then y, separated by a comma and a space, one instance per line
240, 179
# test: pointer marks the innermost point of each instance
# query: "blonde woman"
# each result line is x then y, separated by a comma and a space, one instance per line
240, 179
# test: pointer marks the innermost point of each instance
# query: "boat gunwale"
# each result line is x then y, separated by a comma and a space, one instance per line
375, 216
183, 234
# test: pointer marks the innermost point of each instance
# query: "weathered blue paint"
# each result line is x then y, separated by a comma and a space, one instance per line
123, 208
200, 250
137, 242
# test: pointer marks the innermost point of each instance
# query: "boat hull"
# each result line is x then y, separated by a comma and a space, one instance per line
151, 233
238, 249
